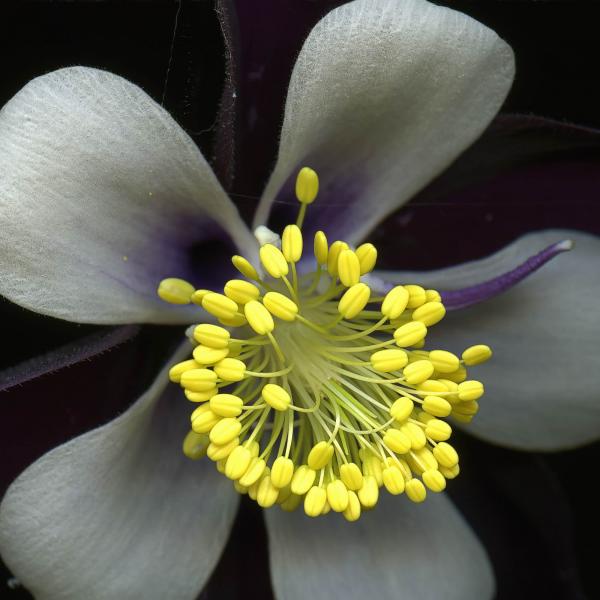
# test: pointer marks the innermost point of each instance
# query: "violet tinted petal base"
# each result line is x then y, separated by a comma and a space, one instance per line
481, 292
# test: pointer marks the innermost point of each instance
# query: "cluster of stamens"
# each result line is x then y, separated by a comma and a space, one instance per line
315, 391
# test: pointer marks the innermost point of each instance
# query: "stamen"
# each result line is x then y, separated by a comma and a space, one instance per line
313, 392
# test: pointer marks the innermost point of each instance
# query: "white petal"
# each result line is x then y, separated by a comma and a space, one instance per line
384, 95
101, 196
543, 380
119, 512
399, 550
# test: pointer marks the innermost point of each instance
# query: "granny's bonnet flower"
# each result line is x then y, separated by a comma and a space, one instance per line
102, 195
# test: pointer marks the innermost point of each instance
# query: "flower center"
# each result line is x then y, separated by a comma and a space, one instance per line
315, 391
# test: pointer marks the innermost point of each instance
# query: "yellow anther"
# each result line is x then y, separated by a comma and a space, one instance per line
369, 492
470, 390
302, 480
222, 451
372, 465
395, 302
434, 480
244, 267
396, 441
235, 348
198, 295
282, 471
429, 313
273, 261
267, 493
432, 296
236, 321
418, 371
386, 361
307, 185
254, 472
280, 306
219, 305
444, 362
195, 445
198, 380
415, 490
176, 371
199, 410
320, 455
403, 466
284, 492
415, 434
332, 258
320, 247
402, 409
432, 387
393, 480
226, 405
212, 336
224, 431
436, 406
203, 422
475, 355
315, 500
201, 396
259, 318
209, 356
230, 369
452, 387
422, 460
450, 473
437, 430
276, 397
237, 462
352, 476
241, 291
354, 300
352, 512
469, 408
424, 417
417, 296
337, 495
445, 454
367, 256
458, 376
409, 334
253, 490
291, 243
348, 268
175, 291
292, 503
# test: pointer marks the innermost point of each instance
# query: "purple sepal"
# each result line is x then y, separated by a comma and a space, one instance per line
67, 355
85, 385
475, 294
262, 42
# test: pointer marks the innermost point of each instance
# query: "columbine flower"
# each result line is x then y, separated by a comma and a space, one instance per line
103, 196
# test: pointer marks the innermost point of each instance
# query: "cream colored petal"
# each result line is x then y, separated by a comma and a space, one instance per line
102, 195
542, 384
119, 512
385, 94
397, 551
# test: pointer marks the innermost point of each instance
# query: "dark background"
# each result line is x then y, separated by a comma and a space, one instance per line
536, 514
